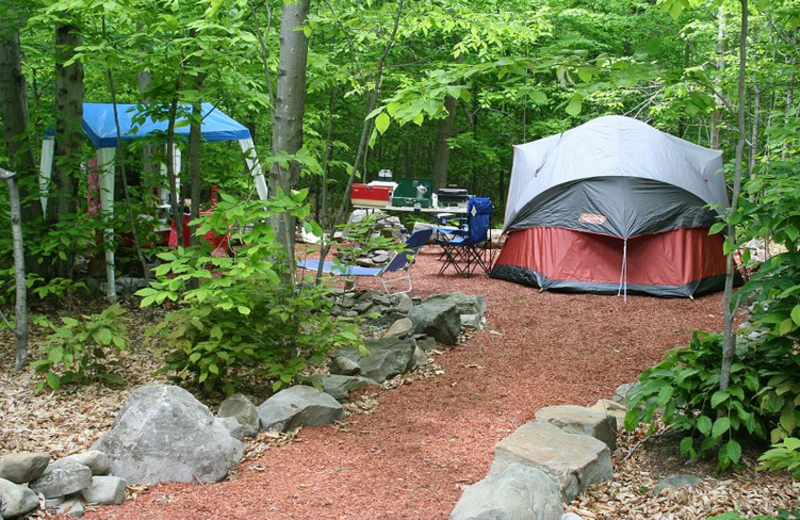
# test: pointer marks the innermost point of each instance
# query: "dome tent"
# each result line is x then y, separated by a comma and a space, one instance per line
614, 206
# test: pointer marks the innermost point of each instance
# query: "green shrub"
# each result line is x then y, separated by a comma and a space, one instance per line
77, 350
242, 316
686, 385
783, 455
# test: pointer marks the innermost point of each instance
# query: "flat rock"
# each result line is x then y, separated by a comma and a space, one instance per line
577, 419
471, 321
438, 318
72, 507
163, 434
16, 499
424, 342
419, 359
385, 358
517, 493
63, 479
676, 481
243, 411
571, 516
298, 406
399, 329
613, 408
344, 366
622, 391
105, 490
24, 466
404, 303
97, 461
340, 387
466, 303
575, 461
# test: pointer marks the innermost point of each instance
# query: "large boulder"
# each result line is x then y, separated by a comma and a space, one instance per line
298, 406
24, 466
385, 358
164, 434
518, 493
245, 413
574, 461
340, 387
438, 318
15, 499
577, 419
64, 479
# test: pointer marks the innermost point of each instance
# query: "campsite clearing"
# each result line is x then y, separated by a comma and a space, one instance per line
412, 452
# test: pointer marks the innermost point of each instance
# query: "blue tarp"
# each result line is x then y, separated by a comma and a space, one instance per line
99, 125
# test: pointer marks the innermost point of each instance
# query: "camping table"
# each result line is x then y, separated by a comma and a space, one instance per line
411, 209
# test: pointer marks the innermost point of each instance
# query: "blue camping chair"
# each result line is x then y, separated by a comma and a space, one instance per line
469, 248
400, 263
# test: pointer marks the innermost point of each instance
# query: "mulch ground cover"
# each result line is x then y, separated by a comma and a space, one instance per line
420, 443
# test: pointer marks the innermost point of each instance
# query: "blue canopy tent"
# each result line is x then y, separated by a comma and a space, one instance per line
100, 126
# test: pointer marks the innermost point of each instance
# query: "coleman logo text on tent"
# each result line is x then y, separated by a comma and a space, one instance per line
590, 218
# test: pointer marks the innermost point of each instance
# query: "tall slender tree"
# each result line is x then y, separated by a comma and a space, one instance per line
287, 130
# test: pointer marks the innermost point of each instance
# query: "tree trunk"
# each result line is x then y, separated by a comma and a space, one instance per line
441, 158
751, 164
69, 131
150, 167
21, 304
287, 133
14, 113
722, 48
174, 196
729, 312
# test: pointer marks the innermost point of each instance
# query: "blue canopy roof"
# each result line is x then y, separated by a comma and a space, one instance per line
99, 125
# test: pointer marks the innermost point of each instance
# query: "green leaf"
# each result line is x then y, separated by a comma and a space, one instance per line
721, 425
716, 228
786, 326
796, 314
575, 105
734, 450
382, 122
214, 369
664, 395
704, 425
719, 396
103, 337
53, 381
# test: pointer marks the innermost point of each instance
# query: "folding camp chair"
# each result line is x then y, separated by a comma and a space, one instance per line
469, 248
400, 263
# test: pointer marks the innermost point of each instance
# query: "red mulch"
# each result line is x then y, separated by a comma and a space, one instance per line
428, 439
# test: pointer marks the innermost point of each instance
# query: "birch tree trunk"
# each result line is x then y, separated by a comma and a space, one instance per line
722, 48
729, 337
287, 133
21, 304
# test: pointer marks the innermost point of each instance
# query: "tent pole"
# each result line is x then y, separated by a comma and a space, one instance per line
623, 275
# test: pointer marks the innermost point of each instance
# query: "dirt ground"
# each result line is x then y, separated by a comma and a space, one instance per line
429, 438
